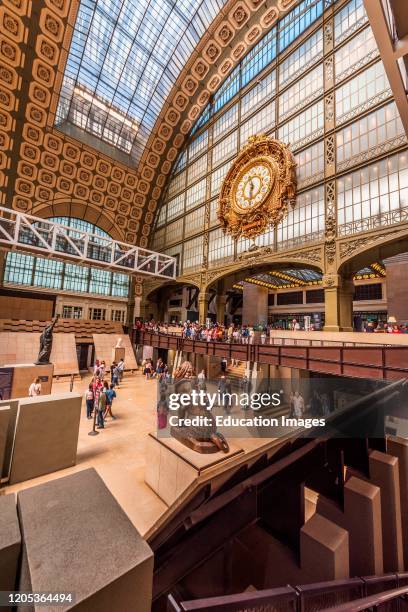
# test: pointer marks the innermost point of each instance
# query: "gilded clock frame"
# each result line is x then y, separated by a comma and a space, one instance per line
273, 208
259, 161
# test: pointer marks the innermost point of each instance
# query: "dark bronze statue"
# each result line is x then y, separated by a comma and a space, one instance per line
201, 438
46, 343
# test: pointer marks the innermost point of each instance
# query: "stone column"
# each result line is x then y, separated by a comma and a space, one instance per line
203, 300
397, 290
255, 304
384, 472
131, 303
138, 302
221, 302
3, 256
338, 303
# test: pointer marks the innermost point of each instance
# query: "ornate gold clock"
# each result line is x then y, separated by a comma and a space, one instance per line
258, 188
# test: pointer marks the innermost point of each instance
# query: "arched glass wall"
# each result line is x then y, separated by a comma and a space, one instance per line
319, 86
33, 271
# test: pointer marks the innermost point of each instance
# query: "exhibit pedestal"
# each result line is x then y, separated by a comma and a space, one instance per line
172, 467
25, 373
118, 353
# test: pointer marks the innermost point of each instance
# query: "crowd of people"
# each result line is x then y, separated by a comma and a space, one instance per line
101, 393
159, 371
215, 332
379, 327
250, 334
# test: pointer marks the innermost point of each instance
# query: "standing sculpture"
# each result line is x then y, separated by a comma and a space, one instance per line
46, 343
202, 438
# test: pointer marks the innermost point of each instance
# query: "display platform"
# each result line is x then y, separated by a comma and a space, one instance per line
23, 374
172, 467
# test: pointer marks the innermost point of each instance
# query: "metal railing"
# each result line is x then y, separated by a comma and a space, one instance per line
379, 362
22, 232
349, 595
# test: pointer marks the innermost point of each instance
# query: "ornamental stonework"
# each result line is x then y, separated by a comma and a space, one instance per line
62, 162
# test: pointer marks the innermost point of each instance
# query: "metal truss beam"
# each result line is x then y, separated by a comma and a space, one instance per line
28, 234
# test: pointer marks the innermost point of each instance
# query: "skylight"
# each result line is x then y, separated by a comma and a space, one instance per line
124, 59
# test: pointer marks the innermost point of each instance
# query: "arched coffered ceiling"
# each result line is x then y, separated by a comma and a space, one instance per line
46, 172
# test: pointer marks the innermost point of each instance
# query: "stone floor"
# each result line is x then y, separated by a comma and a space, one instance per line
118, 452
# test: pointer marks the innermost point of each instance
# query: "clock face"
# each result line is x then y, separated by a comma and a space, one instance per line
253, 186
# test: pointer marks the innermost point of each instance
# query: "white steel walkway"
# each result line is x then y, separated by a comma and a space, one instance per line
21, 232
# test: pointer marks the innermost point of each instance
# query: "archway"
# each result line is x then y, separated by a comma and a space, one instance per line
171, 302
391, 251
273, 292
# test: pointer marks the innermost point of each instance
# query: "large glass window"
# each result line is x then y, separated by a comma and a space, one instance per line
48, 273
378, 189
194, 221
175, 207
297, 21
226, 148
304, 56
382, 126
217, 178
304, 127
225, 123
259, 57
349, 19
221, 246
177, 184
120, 285
123, 61
19, 269
196, 194
228, 90
100, 281
76, 278
310, 163
361, 92
198, 145
174, 232
198, 168
263, 91
214, 212
263, 121
161, 219
159, 239
193, 253
302, 92
304, 222
27, 270
360, 50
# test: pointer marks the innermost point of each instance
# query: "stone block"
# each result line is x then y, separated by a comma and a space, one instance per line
362, 509
384, 472
10, 542
324, 550
4, 422
106, 343
78, 539
24, 374
398, 447
13, 408
46, 435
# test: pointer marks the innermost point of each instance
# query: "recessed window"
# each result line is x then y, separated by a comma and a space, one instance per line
97, 314
118, 315
72, 312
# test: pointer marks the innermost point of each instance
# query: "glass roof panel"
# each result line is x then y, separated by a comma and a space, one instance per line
125, 57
